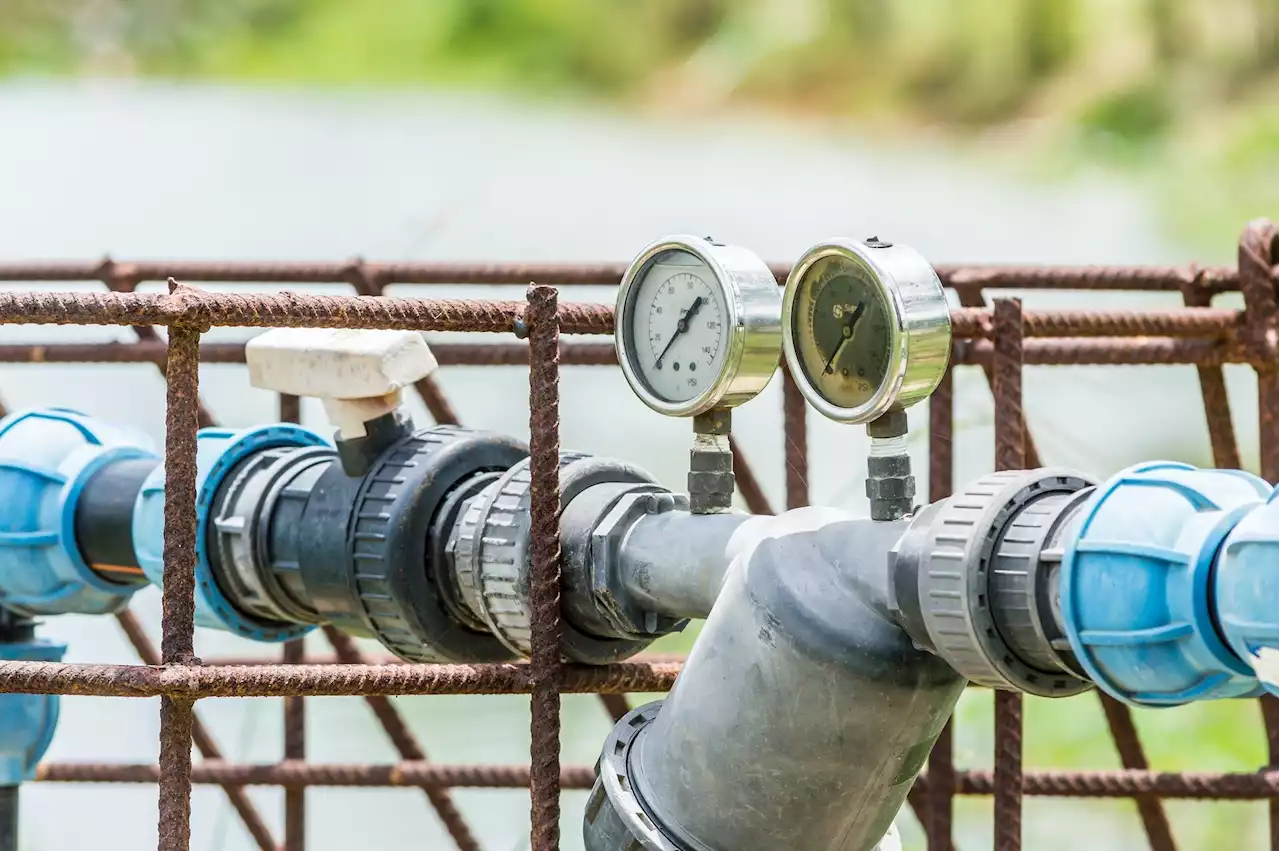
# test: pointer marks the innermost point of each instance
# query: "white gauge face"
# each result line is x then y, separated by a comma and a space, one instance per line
678, 327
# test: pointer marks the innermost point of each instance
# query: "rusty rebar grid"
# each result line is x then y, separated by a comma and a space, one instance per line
1207, 337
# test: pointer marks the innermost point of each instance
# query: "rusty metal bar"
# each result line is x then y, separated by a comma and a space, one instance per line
1257, 256
960, 354
288, 310
1267, 704
1011, 438
744, 478
204, 741
197, 681
295, 708
1217, 405
941, 794
1187, 785
795, 439
970, 322
1148, 278
1065, 351
178, 594
1154, 820
543, 320
406, 744
295, 747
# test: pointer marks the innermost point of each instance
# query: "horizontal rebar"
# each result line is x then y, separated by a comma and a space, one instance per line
1122, 783
657, 659
196, 681
269, 310
299, 774
1175, 278
274, 310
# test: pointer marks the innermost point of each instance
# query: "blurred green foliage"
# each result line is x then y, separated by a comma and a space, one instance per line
1177, 92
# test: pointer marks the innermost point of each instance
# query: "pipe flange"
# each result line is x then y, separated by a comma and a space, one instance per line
497, 552
954, 582
615, 818
237, 547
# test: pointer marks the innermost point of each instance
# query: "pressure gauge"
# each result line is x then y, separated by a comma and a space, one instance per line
866, 328
698, 325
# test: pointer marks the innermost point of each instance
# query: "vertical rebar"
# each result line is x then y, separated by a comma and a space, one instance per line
203, 740
744, 479
406, 744
437, 403
1256, 260
544, 592
616, 705
177, 621
970, 297
1256, 257
1154, 820
942, 771
295, 747
795, 439
295, 708
1011, 454
1270, 723
289, 408
1213, 390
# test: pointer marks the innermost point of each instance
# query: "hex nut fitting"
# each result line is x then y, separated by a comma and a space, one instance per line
608, 591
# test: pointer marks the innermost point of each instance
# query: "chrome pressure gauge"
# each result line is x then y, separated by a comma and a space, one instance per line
867, 330
698, 325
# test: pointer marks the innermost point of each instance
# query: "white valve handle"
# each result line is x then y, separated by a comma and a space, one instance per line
357, 374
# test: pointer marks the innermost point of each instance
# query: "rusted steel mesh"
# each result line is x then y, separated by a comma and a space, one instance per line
1001, 340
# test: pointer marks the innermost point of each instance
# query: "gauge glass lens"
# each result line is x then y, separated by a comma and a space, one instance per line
679, 326
841, 323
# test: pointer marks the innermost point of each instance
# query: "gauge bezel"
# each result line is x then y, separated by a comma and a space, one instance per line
919, 333
753, 326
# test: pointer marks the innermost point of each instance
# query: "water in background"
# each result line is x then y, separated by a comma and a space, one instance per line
207, 173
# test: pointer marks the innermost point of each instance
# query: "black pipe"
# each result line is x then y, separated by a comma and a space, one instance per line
104, 520
8, 818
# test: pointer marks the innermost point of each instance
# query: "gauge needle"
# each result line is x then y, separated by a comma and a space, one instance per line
681, 327
847, 335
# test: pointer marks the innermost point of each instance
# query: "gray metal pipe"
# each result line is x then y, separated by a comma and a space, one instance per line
803, 714
675, 562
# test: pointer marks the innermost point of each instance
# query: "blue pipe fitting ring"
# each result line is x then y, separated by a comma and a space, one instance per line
46, 457
27, 721
1136, 584
218, 451
1246, 590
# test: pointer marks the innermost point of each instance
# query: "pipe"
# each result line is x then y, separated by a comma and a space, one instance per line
674, 563
803, 713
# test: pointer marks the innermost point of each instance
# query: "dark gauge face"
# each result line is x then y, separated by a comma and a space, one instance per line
842, 331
